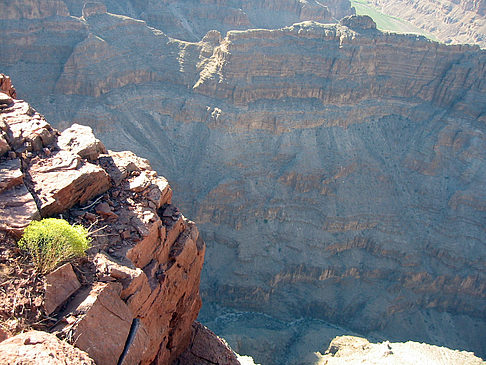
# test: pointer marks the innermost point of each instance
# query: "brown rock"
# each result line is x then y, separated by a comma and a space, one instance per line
5, 100
106, 212
206, 348
139, 183
36, 347
24, 128
80, 140
4, 146
120, 164
100, 323
10, 174
6, 86
3, 335
90, 216
125, 234
63, 180
60, 285
17, 209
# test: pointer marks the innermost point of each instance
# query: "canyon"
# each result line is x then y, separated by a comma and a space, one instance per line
336, 173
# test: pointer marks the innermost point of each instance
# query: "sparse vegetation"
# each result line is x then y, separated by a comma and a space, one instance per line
52, 241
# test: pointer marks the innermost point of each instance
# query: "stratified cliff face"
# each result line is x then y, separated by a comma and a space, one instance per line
190, 20
336, 172
462, 21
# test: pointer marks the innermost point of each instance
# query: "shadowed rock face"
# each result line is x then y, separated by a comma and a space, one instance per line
190, 20
335, 172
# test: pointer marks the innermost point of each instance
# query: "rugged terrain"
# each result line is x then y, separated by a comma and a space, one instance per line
335, 172
134, 298
462, 21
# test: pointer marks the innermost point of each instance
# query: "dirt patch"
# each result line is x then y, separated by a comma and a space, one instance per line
21, 290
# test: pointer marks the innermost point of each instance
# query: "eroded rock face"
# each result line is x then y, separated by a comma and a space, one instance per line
206, 348
460, 21
36, 347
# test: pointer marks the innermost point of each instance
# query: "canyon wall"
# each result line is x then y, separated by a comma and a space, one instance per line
190, 20
335, 172
462, 21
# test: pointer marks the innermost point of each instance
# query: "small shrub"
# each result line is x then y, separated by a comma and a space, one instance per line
52, 241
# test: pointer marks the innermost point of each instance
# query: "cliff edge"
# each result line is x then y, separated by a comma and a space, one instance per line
135, 298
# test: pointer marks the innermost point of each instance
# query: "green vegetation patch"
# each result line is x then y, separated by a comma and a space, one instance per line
387, 22
52, 241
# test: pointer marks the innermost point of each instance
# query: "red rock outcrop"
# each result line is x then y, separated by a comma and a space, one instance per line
206, 348
36, 347
146, 262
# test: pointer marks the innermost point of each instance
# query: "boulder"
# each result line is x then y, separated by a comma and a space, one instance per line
36, 347
60, 285
80, 140
17, 209
206, 348
10, 174
6, 86
358, 22
63, 180
25, 129
100, 322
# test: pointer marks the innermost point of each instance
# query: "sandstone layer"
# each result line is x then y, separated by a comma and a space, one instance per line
462, 21
335, 171
355, 350
190, 20
139, 295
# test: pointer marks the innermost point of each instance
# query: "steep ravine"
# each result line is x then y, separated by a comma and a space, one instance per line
335, 172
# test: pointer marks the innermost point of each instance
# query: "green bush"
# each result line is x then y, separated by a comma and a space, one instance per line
52, 241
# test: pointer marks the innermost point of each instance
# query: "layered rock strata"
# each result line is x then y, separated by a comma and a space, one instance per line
141, 294
461, 21
190, 20
337, 171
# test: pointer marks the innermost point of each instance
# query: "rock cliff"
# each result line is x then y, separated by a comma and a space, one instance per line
336, 172
136, 297
462, 21
355, 350
190, 20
